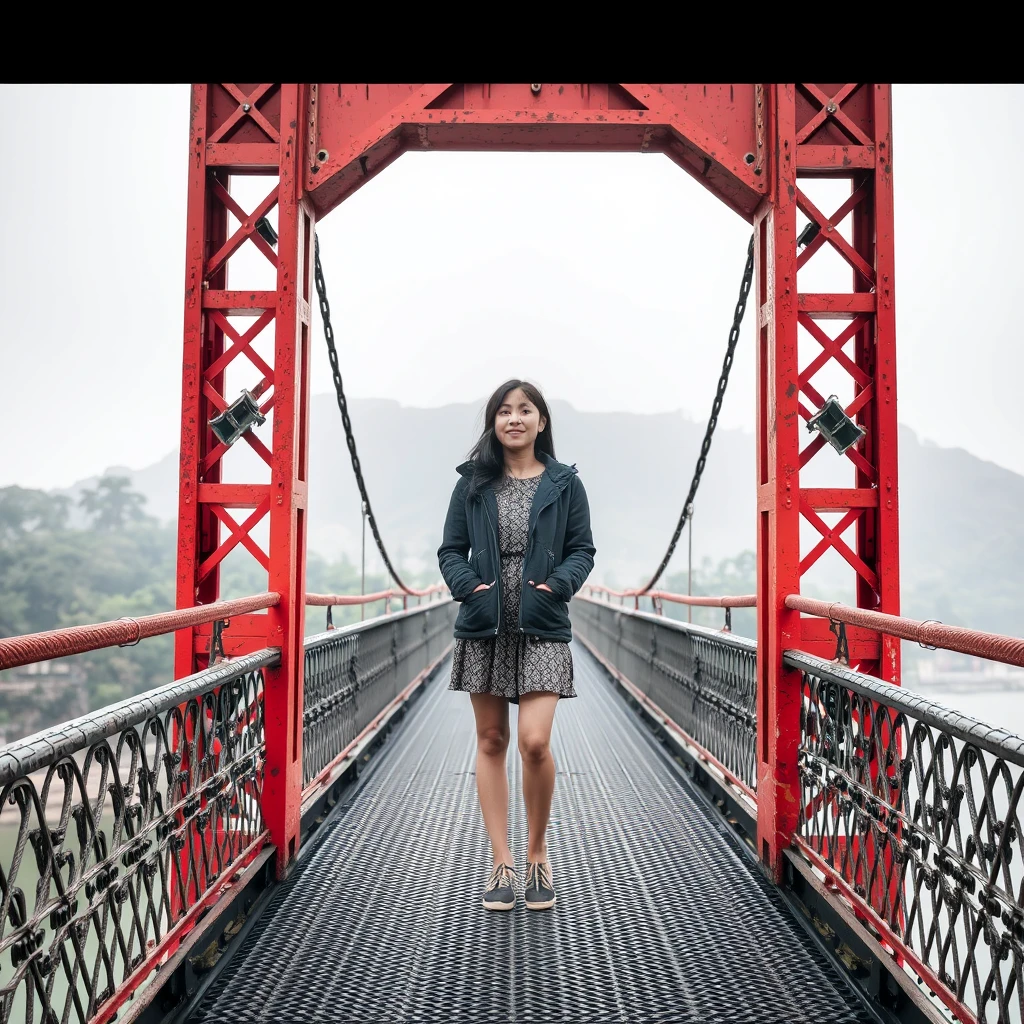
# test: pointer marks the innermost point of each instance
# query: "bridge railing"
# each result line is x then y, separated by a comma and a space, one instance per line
703, 680
355, 674
913, 812
122, 829
658, 598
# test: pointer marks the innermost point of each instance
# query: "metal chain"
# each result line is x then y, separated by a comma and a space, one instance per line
723, 380
325, 312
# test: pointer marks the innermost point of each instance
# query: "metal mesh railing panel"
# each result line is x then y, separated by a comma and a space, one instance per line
916, 809
353, 674
704, 680
115, 826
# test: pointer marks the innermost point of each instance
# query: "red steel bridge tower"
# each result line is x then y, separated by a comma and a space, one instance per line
753, 146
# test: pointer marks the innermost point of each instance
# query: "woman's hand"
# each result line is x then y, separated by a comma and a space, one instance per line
541, 586
483, 586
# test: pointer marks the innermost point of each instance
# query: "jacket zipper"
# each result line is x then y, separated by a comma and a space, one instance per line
496, 560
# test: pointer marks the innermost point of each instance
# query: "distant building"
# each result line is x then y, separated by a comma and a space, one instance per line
958, 672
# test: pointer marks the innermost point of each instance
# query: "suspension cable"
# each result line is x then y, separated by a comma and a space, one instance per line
325, 313
723, 381
716, 408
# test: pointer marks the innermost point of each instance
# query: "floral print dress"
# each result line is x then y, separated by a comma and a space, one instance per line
511, 663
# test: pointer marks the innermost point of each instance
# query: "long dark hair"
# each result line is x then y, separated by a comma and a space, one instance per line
488, 454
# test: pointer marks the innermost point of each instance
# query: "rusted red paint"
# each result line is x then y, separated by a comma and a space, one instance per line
61, 643
992, 646
816, 131
750, 145
777, 461
707, 130
217, 898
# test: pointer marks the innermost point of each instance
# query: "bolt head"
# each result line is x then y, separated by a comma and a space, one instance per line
831, 108
246, 107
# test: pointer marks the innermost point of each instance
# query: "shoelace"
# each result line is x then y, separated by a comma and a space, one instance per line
501, 875
540, 875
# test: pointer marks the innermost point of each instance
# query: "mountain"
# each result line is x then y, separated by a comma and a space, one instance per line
962, 553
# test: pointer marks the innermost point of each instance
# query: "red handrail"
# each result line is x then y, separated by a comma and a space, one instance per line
326, 600
1007, 649
128, 631
741, 601
59, 643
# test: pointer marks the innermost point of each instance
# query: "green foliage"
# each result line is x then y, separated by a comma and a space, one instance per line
732, 577
111, 505
122, 564
22, 510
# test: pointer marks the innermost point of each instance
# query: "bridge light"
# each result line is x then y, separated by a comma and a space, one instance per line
266, 230
808, 235
835, 426
239, 417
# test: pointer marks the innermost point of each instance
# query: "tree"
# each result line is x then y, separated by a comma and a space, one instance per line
112, 505
52, 575
732, 577
23, 510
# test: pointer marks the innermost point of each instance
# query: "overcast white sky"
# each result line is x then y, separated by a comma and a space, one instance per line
610, 279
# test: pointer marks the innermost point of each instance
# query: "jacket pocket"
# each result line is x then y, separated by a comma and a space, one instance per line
544, 612
479, 612
481, 565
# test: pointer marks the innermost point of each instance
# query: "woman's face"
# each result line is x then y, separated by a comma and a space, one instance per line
518, 422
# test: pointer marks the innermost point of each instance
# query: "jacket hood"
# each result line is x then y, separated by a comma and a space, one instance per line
558, 471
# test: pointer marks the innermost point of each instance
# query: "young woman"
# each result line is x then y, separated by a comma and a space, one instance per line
517, 546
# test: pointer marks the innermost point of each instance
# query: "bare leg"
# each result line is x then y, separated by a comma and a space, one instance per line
536, 715
492, 736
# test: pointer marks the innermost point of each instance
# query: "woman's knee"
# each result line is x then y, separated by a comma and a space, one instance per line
492, 740
534, 747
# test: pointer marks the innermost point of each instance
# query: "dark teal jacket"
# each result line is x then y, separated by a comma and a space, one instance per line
559, 552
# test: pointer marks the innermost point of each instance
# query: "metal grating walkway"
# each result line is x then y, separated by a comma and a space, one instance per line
658, 917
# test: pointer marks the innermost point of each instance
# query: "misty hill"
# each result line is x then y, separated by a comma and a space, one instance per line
962, 557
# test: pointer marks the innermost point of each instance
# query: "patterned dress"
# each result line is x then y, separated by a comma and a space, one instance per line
510, 663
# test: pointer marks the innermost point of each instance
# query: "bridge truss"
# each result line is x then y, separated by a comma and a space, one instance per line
753, 146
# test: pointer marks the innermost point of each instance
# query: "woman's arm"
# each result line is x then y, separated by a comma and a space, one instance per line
578, 548
451, 555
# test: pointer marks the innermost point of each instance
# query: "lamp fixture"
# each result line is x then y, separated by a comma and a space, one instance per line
240, 416
835, 426
808, 235
266, 230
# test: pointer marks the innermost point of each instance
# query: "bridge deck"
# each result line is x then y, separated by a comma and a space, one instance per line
658, 917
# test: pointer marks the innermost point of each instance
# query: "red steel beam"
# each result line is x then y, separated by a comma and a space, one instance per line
60, 643
713, 131
283, 685
778, 486
198, 527
251, 130
29, 648
839, 132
